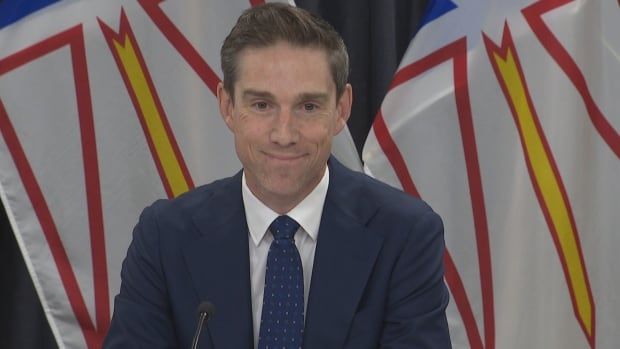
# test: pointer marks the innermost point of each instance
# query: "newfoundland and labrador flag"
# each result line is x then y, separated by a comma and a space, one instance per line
504, 116
105, 106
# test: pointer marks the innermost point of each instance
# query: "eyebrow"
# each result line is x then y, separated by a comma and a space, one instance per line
313, 96
250, 93
318, 96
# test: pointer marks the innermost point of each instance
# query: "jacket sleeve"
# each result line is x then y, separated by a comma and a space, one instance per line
418, 297
142, 315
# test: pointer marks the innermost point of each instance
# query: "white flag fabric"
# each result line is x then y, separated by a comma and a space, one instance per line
504, 116
106, 106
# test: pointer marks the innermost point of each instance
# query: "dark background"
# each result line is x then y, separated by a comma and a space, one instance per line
377, 34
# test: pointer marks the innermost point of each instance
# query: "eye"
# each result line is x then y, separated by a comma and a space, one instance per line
260, 105
310, 107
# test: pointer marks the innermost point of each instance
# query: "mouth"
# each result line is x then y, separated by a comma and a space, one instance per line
284, 157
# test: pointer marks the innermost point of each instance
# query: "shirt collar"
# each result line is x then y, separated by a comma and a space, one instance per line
307, 213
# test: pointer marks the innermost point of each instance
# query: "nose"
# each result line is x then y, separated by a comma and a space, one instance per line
284, 130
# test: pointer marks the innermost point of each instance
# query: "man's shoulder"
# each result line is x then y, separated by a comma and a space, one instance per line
377, 194
203, 198
384, 210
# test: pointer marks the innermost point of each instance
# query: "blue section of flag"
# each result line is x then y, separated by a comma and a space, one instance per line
436, 9
12, 11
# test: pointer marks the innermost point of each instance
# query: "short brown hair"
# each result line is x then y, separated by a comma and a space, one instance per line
267, 24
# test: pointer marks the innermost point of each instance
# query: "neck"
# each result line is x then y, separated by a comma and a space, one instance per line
279, 203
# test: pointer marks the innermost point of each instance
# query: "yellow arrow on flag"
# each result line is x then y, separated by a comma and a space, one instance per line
545, 177
164, 148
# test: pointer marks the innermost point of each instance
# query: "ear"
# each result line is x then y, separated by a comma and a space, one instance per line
343, 108
225, 103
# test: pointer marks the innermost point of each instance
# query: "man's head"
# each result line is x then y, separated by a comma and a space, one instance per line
282, 102
266, 25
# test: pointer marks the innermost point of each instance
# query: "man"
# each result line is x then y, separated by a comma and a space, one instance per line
295, 250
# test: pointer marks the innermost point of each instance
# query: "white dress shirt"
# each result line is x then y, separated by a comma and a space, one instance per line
307, 213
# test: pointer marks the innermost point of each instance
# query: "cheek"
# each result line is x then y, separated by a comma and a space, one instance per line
254, 135
319, 132
250, 141
338, 126
247, 130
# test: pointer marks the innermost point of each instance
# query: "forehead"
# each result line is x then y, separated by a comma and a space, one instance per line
283, 66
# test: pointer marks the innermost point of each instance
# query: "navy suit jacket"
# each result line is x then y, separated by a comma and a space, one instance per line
377, 279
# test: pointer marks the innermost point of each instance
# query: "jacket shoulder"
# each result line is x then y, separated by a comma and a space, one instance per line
192, 200
367, 196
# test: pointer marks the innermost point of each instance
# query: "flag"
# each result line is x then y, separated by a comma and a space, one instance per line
106, 106
504, 116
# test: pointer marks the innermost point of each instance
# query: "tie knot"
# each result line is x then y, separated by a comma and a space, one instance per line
283, 227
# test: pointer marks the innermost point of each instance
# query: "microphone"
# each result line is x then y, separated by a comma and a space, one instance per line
205, 311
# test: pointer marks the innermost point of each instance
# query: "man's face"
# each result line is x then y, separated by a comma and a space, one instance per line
283, 117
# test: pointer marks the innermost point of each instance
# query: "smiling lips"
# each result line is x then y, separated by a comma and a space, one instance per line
284, 157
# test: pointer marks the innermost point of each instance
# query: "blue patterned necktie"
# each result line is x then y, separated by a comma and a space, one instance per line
282, 319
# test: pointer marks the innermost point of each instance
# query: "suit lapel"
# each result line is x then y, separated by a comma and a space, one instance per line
219, 266
345, 254
218, 263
